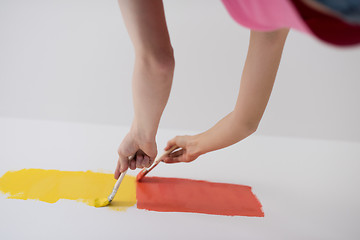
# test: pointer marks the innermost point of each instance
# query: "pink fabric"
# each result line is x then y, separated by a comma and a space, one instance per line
265, 15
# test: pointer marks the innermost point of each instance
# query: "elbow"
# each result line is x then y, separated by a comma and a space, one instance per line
159, 62
246, 126
251, 128
163, 62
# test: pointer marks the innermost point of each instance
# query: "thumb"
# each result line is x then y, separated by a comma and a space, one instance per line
176, 141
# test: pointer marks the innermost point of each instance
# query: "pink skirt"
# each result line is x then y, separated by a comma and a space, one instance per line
269, 15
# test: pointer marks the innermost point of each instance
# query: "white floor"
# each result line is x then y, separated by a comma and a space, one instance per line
309, 189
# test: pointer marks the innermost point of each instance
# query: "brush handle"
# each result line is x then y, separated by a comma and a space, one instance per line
157, 160
116, 187
118, 182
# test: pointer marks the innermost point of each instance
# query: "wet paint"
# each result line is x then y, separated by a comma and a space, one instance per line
152, 193
101, 202
185, 195
52, 185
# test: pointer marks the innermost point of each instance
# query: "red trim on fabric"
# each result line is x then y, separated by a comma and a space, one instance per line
328, 28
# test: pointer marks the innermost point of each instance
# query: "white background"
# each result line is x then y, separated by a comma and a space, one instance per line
72, 61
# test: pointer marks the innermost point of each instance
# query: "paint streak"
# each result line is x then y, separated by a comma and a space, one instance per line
152, 193
52, 185
185, 195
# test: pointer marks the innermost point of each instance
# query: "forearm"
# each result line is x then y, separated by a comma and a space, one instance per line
154, 63
224, 133
257, 81
151, 88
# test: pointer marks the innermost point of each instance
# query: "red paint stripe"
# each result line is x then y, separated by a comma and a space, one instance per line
185, 195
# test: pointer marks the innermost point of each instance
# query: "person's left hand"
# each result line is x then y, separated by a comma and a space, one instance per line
189, 149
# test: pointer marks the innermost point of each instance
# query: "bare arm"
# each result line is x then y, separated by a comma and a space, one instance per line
257, 81
151, 81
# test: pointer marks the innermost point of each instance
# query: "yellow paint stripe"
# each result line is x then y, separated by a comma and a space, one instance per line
52, 185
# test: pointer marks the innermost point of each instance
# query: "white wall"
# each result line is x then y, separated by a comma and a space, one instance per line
72, 61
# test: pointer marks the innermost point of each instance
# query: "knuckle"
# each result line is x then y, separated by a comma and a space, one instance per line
121, 151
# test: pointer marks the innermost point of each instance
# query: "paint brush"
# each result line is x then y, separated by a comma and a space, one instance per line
102, 202
145, 171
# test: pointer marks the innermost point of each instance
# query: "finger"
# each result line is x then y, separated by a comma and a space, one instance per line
177, 152
170, 160
181, 158
149, 150
139, 160
124, 163
151, 161
117, 170
146, 162
132, 164
170, 143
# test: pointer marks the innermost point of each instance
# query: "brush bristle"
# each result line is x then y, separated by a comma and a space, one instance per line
140, 175
101, 202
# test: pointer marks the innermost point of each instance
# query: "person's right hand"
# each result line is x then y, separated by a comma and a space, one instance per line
144, 153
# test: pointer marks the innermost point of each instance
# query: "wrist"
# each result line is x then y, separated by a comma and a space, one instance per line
143, 133
197, 142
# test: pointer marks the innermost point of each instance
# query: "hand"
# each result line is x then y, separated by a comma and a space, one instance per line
189, 149
144, 152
